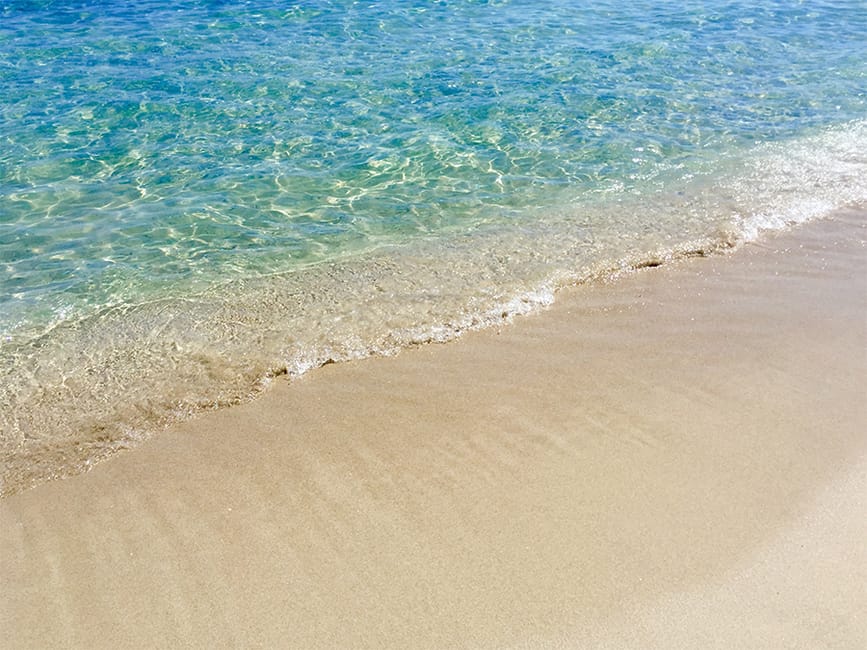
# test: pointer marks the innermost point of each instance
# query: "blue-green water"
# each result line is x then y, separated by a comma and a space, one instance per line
195, 196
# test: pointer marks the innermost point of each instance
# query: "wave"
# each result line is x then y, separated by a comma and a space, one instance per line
90, 387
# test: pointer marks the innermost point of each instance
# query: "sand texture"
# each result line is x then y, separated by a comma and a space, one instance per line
677, 458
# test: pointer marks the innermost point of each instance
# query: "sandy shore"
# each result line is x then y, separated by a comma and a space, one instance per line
674, 459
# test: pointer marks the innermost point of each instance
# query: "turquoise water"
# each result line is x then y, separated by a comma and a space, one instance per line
196, 196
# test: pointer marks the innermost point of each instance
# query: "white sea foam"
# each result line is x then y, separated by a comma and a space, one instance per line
790, 183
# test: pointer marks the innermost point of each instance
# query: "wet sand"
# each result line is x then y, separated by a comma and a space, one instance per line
674, 459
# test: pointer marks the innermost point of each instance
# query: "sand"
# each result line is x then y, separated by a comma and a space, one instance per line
677, 458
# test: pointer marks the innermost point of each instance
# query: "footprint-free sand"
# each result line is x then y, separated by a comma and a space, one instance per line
675, 458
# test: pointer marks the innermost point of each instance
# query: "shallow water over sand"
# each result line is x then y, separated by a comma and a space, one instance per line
194, 199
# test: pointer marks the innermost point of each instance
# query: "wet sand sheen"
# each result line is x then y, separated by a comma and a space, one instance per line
675, 458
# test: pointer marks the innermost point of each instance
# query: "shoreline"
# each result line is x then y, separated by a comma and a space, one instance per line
607, 472
104, 380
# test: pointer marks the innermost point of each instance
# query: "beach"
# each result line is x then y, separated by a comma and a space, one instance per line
199, 200
676, 457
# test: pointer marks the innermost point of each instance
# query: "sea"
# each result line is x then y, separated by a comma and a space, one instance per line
198, 197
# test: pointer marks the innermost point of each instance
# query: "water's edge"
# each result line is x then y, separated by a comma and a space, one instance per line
56, 458
200, 197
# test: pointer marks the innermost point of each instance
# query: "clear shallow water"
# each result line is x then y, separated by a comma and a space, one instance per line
196, 197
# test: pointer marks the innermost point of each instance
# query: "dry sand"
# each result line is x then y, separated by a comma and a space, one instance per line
674, 459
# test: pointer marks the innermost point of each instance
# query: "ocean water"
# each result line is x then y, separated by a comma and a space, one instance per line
196, 197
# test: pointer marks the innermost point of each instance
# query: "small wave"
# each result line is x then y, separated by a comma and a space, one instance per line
94, 386
791, 183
